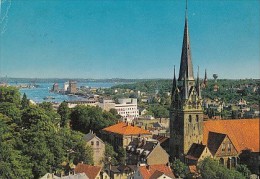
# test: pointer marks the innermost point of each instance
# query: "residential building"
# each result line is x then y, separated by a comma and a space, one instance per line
98, 147
153, 172
122, 171
121, 134
92, 172
146, 151
70, 176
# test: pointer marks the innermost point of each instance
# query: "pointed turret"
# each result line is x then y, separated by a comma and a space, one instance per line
205, 78
186, 68
198, 83
185, 90
174, 84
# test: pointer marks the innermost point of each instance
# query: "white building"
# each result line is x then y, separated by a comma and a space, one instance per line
126, 107
65, 86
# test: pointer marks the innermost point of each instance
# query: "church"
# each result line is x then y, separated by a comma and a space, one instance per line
191, 138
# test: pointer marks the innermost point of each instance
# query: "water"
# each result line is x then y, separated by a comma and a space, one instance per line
38, 94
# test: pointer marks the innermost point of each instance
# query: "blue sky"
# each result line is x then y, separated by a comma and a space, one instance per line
129, 39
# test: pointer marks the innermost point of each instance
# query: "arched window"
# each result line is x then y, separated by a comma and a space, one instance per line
97, 143
189, 118
197, 118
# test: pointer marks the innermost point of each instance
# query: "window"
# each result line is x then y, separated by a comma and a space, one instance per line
229, 147
92, 142
97, 143
189, 118
197, 118
223, 147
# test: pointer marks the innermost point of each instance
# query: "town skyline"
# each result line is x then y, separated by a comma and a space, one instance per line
129, 40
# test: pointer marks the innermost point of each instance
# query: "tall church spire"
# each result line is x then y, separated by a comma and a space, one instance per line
186, 68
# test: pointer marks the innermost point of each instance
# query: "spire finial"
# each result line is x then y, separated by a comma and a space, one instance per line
186, 11
174, 72
198, 71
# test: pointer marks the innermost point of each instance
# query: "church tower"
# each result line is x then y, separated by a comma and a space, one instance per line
186, 114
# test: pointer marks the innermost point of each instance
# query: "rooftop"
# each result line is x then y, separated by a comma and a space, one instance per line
89, 170
150, 171
126, 129
244, 133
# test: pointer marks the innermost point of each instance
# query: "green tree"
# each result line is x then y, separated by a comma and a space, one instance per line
11, 110
12, 163
64, 113
25, 102
85, 118
10, 94
244, 170
121, 157
179, 168
110, 155
210, 169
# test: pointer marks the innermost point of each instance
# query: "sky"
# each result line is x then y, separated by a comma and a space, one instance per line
128, 39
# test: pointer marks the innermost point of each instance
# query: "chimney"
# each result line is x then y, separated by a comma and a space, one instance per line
148, 167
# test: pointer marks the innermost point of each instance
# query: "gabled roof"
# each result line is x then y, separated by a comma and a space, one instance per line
91, 171
147, 172
160, 138
243, 133
125, 129
214, 141
145, 147
195, 151
89, 136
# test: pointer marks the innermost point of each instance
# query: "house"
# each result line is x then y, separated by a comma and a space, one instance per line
71, 176
122, 171
121, 134
164, 141
92, 172
153, 172
142, 151
197, 153
97, 145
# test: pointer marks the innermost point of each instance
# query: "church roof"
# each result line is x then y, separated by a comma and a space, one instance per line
244, 133
214, 141
125, 129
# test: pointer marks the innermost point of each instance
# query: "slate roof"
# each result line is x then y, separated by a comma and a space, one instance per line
145, 148
125, 129
195, 151
91, 171
243, 133
149, 172
214, 141
161, 139
89, 136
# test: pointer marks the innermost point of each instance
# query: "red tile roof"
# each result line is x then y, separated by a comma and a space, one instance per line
126, 129
91, 171
244, 133
147, 172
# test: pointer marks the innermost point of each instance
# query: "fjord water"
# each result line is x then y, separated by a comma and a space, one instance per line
43, 90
